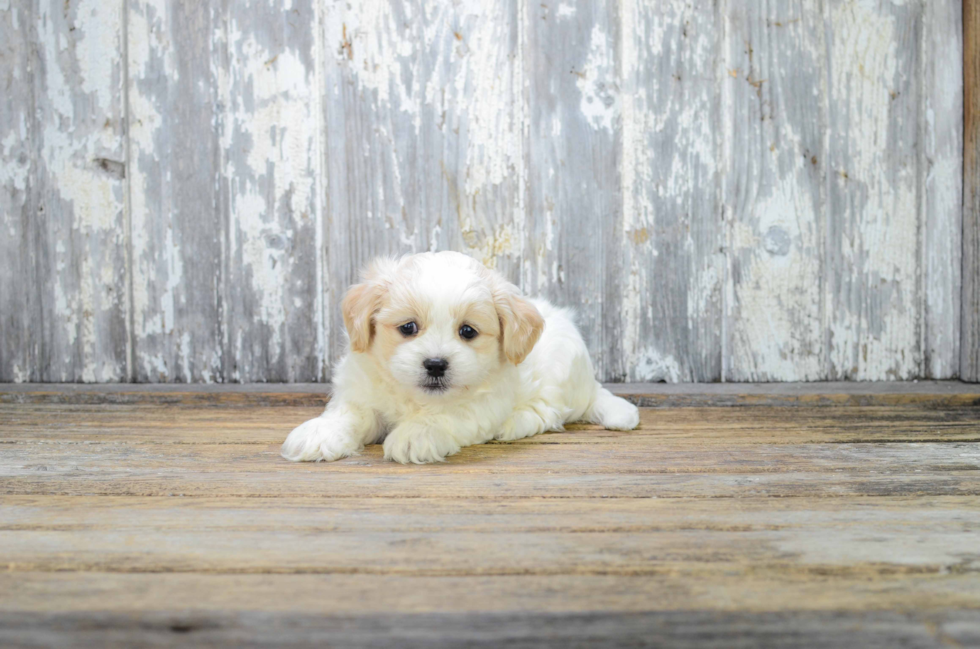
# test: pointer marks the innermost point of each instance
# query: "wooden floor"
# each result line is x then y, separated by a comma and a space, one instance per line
815, 516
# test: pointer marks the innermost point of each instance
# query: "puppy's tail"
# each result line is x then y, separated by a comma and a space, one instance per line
612, 412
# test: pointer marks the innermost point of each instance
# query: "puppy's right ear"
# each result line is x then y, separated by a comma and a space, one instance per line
359, 307
362, 302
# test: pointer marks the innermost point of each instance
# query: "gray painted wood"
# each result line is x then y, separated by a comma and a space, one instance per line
672, 237
941, 183
774, 88
370, 90
874, 293
18, 196
470, 131
269, 160
736, 192
424, 138
177, 224
574, 217
82, 271
970, 320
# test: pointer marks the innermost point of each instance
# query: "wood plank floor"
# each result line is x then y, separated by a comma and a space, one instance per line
829, 515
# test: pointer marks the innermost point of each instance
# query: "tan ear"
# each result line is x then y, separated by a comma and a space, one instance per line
363, 301
359, 306
520, 325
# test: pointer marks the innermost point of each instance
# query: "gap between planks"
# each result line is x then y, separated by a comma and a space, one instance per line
649, 395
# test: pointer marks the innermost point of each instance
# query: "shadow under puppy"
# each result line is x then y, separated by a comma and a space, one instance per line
445, 353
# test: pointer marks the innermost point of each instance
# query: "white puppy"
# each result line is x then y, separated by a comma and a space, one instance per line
445, 353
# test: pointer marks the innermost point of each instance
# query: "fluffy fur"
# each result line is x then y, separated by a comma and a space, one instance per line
526, 371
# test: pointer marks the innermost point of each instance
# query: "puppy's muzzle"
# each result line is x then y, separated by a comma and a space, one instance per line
436, 367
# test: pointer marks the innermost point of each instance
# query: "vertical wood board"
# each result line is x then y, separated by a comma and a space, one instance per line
18, 197
82, 270
671, 239
970, 320
572, 63
873, 287
269, 150
776, 88
177, 225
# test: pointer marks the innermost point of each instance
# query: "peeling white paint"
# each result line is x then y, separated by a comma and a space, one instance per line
377, 45
269, 140
565, 11
79, 115
99, 31
779, 330
436, 83
598, 82
657, 366
881, 236
14, 174
156, 279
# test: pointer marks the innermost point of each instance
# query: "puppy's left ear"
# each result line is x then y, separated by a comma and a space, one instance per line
520, 323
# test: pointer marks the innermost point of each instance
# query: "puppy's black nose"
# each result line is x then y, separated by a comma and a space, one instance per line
435, 366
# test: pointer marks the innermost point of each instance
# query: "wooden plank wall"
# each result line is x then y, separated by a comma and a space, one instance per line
740, 191
970, 322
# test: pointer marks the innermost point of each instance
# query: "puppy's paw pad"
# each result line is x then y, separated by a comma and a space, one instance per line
409, 444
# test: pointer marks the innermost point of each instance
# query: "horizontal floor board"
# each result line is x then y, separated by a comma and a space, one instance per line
270, 425
324, 484
701, 538
379, 628
345, 594
633, 456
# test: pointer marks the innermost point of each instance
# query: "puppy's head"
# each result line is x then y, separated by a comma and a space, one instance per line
439, 323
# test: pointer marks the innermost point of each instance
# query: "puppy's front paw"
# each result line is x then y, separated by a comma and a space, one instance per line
614, 413
323, 438
621, 415
418, 444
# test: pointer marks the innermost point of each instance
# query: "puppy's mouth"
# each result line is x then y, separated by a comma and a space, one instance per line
434, 385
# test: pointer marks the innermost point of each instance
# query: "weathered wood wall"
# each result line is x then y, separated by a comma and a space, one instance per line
743, 191
970, 321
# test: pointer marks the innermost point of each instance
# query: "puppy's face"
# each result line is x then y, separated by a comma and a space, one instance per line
439, 323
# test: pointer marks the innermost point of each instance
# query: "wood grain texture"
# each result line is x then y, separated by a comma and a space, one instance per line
941, 185
424, 136
270, 161
572, 59
690, 452
773, 85
677, 629
82, 269
738, 192
970, 320
873, 233
383, 537
722, 526
174, 168
672, 239
18, 197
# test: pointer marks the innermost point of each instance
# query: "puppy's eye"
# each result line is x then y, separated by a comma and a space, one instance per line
409, 329
467, 332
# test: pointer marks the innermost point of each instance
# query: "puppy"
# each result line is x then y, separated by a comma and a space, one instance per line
445, 353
